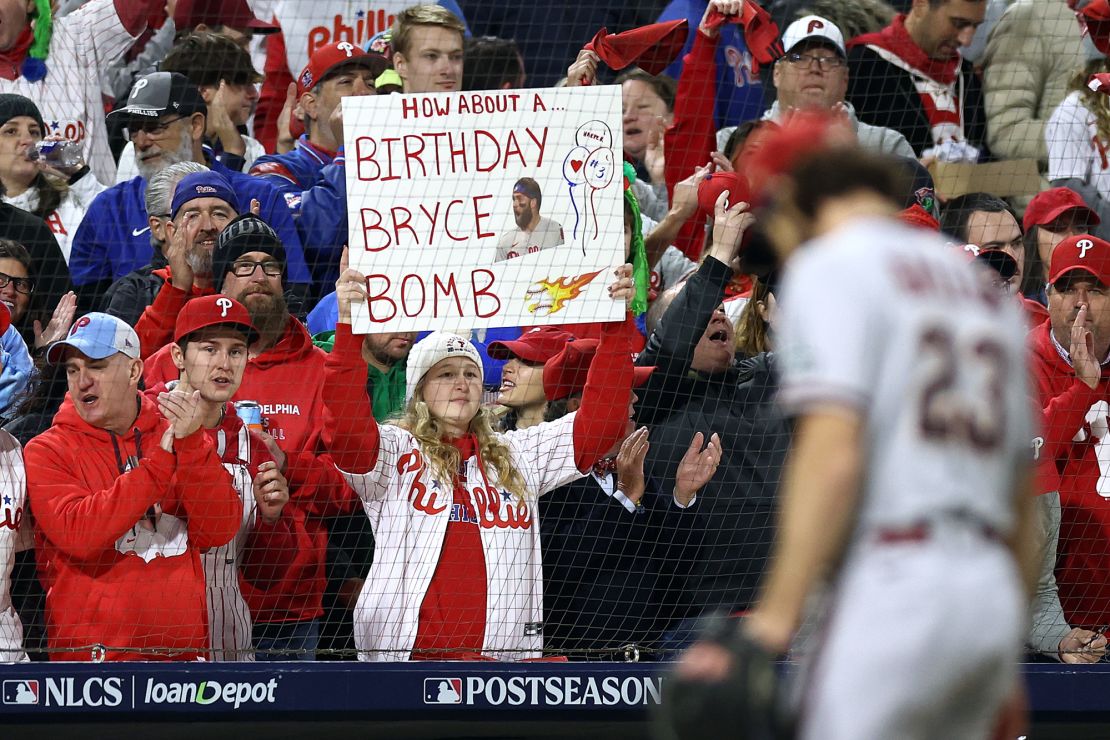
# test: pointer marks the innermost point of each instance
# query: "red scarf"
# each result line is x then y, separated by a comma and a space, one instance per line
11, 59
897, 40
934, 79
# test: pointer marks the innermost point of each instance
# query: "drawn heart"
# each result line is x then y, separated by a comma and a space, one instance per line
576, 164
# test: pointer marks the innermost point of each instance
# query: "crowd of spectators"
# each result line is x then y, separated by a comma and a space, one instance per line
201, 460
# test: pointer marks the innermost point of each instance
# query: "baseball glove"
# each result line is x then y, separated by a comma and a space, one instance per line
746, 704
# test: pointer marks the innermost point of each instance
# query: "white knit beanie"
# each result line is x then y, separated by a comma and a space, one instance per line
439, 345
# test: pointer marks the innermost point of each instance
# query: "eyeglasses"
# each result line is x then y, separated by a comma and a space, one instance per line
22, 285
152, 128
246, 269
807, 60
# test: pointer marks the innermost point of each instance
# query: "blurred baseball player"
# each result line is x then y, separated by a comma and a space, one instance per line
907, 484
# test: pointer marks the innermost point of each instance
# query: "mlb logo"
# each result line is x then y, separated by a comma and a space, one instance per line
442, 691
21, 692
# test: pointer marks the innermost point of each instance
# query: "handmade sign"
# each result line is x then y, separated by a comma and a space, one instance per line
485, 209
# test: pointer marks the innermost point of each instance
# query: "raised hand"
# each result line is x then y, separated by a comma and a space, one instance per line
696, 467
630, 465
220, 124
350, 288
59, 324
730, 221
271, 492
1082, 349
179, 239
275, 452
724, 7
285, 142
684, 200
584, 69
654, 157
182, 410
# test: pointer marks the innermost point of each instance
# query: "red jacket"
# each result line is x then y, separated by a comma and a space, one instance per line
287, 380
1074, 427
107, 579
155, 326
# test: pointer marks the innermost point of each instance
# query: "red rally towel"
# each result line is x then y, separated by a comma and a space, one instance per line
1095, 20
651, 48
761, 34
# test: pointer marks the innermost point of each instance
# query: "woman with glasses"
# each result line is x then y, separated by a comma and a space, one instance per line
49, 184
17, 293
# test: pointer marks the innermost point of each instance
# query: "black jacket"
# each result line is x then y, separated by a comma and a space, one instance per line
609, 575
50, 271
735, 510
884, 95
129, 296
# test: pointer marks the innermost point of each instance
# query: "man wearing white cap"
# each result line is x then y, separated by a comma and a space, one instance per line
813, 75
127, 492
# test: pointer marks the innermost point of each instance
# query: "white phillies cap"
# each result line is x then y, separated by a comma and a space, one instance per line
437, 346
97, 335
813, 27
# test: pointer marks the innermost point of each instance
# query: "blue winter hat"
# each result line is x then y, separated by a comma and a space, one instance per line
203, 185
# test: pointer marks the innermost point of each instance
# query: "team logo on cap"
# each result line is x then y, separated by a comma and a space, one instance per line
455, 344
814, 25
1083, 245
306, 79
83, 321
224, 304
205, 189
346, 47
139, 86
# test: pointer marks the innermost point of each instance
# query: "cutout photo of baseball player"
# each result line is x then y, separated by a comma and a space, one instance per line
533, 232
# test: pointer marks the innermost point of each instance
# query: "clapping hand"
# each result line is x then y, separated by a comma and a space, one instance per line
59, 323
630, 465
697, 467
182, 410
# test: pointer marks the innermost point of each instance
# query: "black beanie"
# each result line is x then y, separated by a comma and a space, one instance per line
12, 106
247, 233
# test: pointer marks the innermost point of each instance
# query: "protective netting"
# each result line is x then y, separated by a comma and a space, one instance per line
479, 363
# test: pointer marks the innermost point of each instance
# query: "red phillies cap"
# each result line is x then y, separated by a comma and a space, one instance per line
998, 260
214, 310
1048, 206
565, 373
327, 58
536, 345
716, 183
1081, 252
231, 13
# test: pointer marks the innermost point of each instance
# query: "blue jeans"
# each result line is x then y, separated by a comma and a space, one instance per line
286, 640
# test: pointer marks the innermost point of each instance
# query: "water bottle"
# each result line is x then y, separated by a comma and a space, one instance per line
62, 154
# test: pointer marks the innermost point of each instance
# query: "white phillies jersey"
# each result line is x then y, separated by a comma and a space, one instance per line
1074, 148
15, 534
229, 619
83, 44
517, 242
63, 220
409, 512
889, 321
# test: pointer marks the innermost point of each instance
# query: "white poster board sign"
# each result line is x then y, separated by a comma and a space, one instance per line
485, 209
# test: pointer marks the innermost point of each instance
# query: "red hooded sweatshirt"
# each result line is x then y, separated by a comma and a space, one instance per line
120, 526
1074, 428
287, 380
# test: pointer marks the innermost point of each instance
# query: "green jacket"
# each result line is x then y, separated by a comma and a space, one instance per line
387, 390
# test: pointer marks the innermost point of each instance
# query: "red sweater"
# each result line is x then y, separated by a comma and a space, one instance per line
1083, 565
101, 587
692, 137
287, 380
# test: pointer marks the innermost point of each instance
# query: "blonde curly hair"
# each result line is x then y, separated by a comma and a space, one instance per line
1097, 103
443, 458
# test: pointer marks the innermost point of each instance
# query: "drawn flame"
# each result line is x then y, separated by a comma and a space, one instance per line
551, 296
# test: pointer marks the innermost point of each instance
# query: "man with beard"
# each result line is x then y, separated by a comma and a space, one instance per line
284, 375
533, 231
131, 294
203, 204
166, 118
